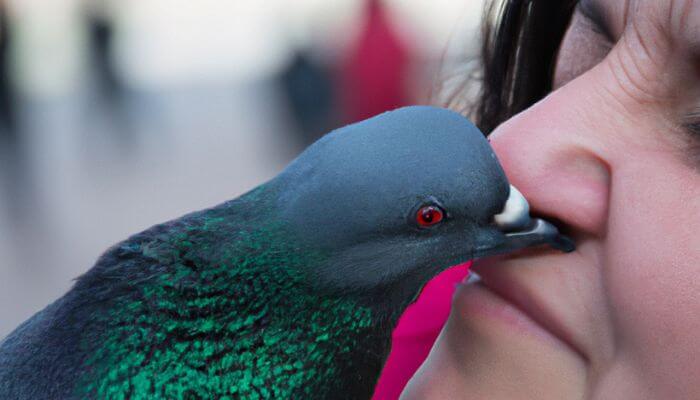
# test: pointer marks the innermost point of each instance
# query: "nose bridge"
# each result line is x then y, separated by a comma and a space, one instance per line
551, 154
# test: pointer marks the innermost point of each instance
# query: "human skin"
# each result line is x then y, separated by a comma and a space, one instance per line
610, 153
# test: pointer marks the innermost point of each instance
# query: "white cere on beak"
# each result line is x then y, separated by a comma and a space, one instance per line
515, 214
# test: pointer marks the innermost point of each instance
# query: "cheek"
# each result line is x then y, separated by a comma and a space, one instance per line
652, 262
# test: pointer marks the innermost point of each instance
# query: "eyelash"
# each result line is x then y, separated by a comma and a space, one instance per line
594, 21
691, 126
691, 123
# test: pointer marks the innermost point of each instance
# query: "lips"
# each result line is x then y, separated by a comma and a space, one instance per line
533, 306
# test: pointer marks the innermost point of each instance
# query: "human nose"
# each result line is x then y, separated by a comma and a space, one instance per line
553, 154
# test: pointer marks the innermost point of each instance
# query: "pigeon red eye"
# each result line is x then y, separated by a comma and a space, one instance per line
429, 216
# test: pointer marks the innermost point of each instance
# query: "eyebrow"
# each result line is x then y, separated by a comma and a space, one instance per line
593, 11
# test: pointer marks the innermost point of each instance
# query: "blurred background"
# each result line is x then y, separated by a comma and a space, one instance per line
116, 115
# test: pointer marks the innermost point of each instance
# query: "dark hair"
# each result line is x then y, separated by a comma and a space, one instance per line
520, 42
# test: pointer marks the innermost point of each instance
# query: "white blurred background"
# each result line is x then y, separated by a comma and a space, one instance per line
117, 115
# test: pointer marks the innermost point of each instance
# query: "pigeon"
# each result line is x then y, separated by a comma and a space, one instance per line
291, 290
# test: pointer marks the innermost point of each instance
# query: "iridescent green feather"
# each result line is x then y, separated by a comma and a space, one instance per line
245, 324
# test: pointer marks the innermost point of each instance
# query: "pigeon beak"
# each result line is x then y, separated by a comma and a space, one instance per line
513, 229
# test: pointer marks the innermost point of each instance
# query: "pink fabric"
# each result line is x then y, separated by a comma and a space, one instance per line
416, 332
374, 75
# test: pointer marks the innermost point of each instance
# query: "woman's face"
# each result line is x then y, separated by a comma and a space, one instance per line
613, 154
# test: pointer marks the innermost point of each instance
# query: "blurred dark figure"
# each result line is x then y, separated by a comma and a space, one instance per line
308, 87
106, 111
15, 183
374, 76
101, 37
7, 98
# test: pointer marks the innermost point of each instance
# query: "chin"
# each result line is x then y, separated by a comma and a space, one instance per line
489, 349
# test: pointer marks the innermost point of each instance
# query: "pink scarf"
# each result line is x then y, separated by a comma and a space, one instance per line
416, 332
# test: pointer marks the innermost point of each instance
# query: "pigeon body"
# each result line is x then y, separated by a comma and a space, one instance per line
289, 291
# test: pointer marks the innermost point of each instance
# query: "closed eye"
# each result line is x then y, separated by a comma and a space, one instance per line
593, 12
691, 126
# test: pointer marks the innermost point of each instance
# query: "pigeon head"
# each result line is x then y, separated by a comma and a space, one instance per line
401, 197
